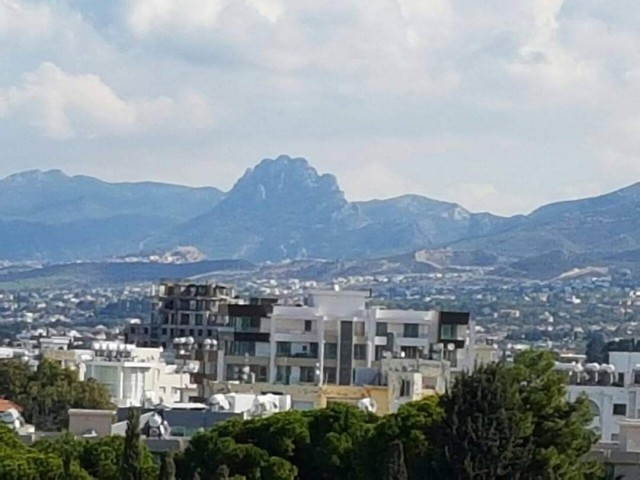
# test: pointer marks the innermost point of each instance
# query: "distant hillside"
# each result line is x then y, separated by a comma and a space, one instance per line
113, 273
49, 215
284, 209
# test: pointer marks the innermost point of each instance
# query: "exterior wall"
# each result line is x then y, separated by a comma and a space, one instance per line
82, 421
604, 398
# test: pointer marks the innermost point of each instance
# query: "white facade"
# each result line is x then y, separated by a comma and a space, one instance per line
613, 390
336, 333
135, 375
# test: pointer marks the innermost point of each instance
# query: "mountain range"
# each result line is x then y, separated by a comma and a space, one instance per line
283, 209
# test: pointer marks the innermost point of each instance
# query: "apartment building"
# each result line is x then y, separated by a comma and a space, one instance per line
333, 337
183, 309
132, 375
336, 336
613, 391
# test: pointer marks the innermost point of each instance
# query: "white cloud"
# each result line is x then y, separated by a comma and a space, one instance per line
516, 99
64, 105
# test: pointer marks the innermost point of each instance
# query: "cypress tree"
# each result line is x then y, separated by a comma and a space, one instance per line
394, 467
167, 467
131, 454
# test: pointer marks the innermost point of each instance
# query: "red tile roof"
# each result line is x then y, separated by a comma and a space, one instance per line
7, 405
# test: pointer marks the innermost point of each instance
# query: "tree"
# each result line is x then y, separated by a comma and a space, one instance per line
395, 468
48, 393
167, 467
131, 455
415, 425
513, 422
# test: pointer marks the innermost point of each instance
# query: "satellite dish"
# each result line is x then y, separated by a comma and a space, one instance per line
368, 405
219, 402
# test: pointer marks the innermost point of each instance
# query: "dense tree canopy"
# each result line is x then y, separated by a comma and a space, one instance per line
503, 421
47, 394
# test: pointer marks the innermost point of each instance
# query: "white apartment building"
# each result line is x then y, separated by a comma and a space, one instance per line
335, 334
133, 376
613, 391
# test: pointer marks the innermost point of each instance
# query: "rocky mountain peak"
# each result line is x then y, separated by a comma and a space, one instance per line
284, 181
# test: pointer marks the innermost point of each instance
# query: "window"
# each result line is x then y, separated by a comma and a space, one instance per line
200, 332
246, 324
209, 333
307, 325
184, 304
411, 330
283, 374
358, 329
133, 330
381, 329
359, 352
405, 388
164, 331
330, 375
380, 349
283, 349
619, 409
447, 332
199, 318
330, 351
191, 332
307, 374
184, 319
410, 352
243, 348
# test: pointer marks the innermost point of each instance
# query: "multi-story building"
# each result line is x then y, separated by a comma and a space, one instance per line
613, 390
180, 310
333, 337
133, 376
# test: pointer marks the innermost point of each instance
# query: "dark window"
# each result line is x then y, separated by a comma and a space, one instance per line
359, 352
200, 332
307, 325
619, 409
209, 333
191, 332
133, 330
243, 348
411, 330
448, 332
181, 332
184, 304
410, 352
164, 331
330, 375
283, 349
379, 351
330, 351
381, 329
146, 330
199, 318
184, 319
405, 388
307, 374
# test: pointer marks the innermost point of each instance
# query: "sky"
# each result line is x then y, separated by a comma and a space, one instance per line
499, 105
